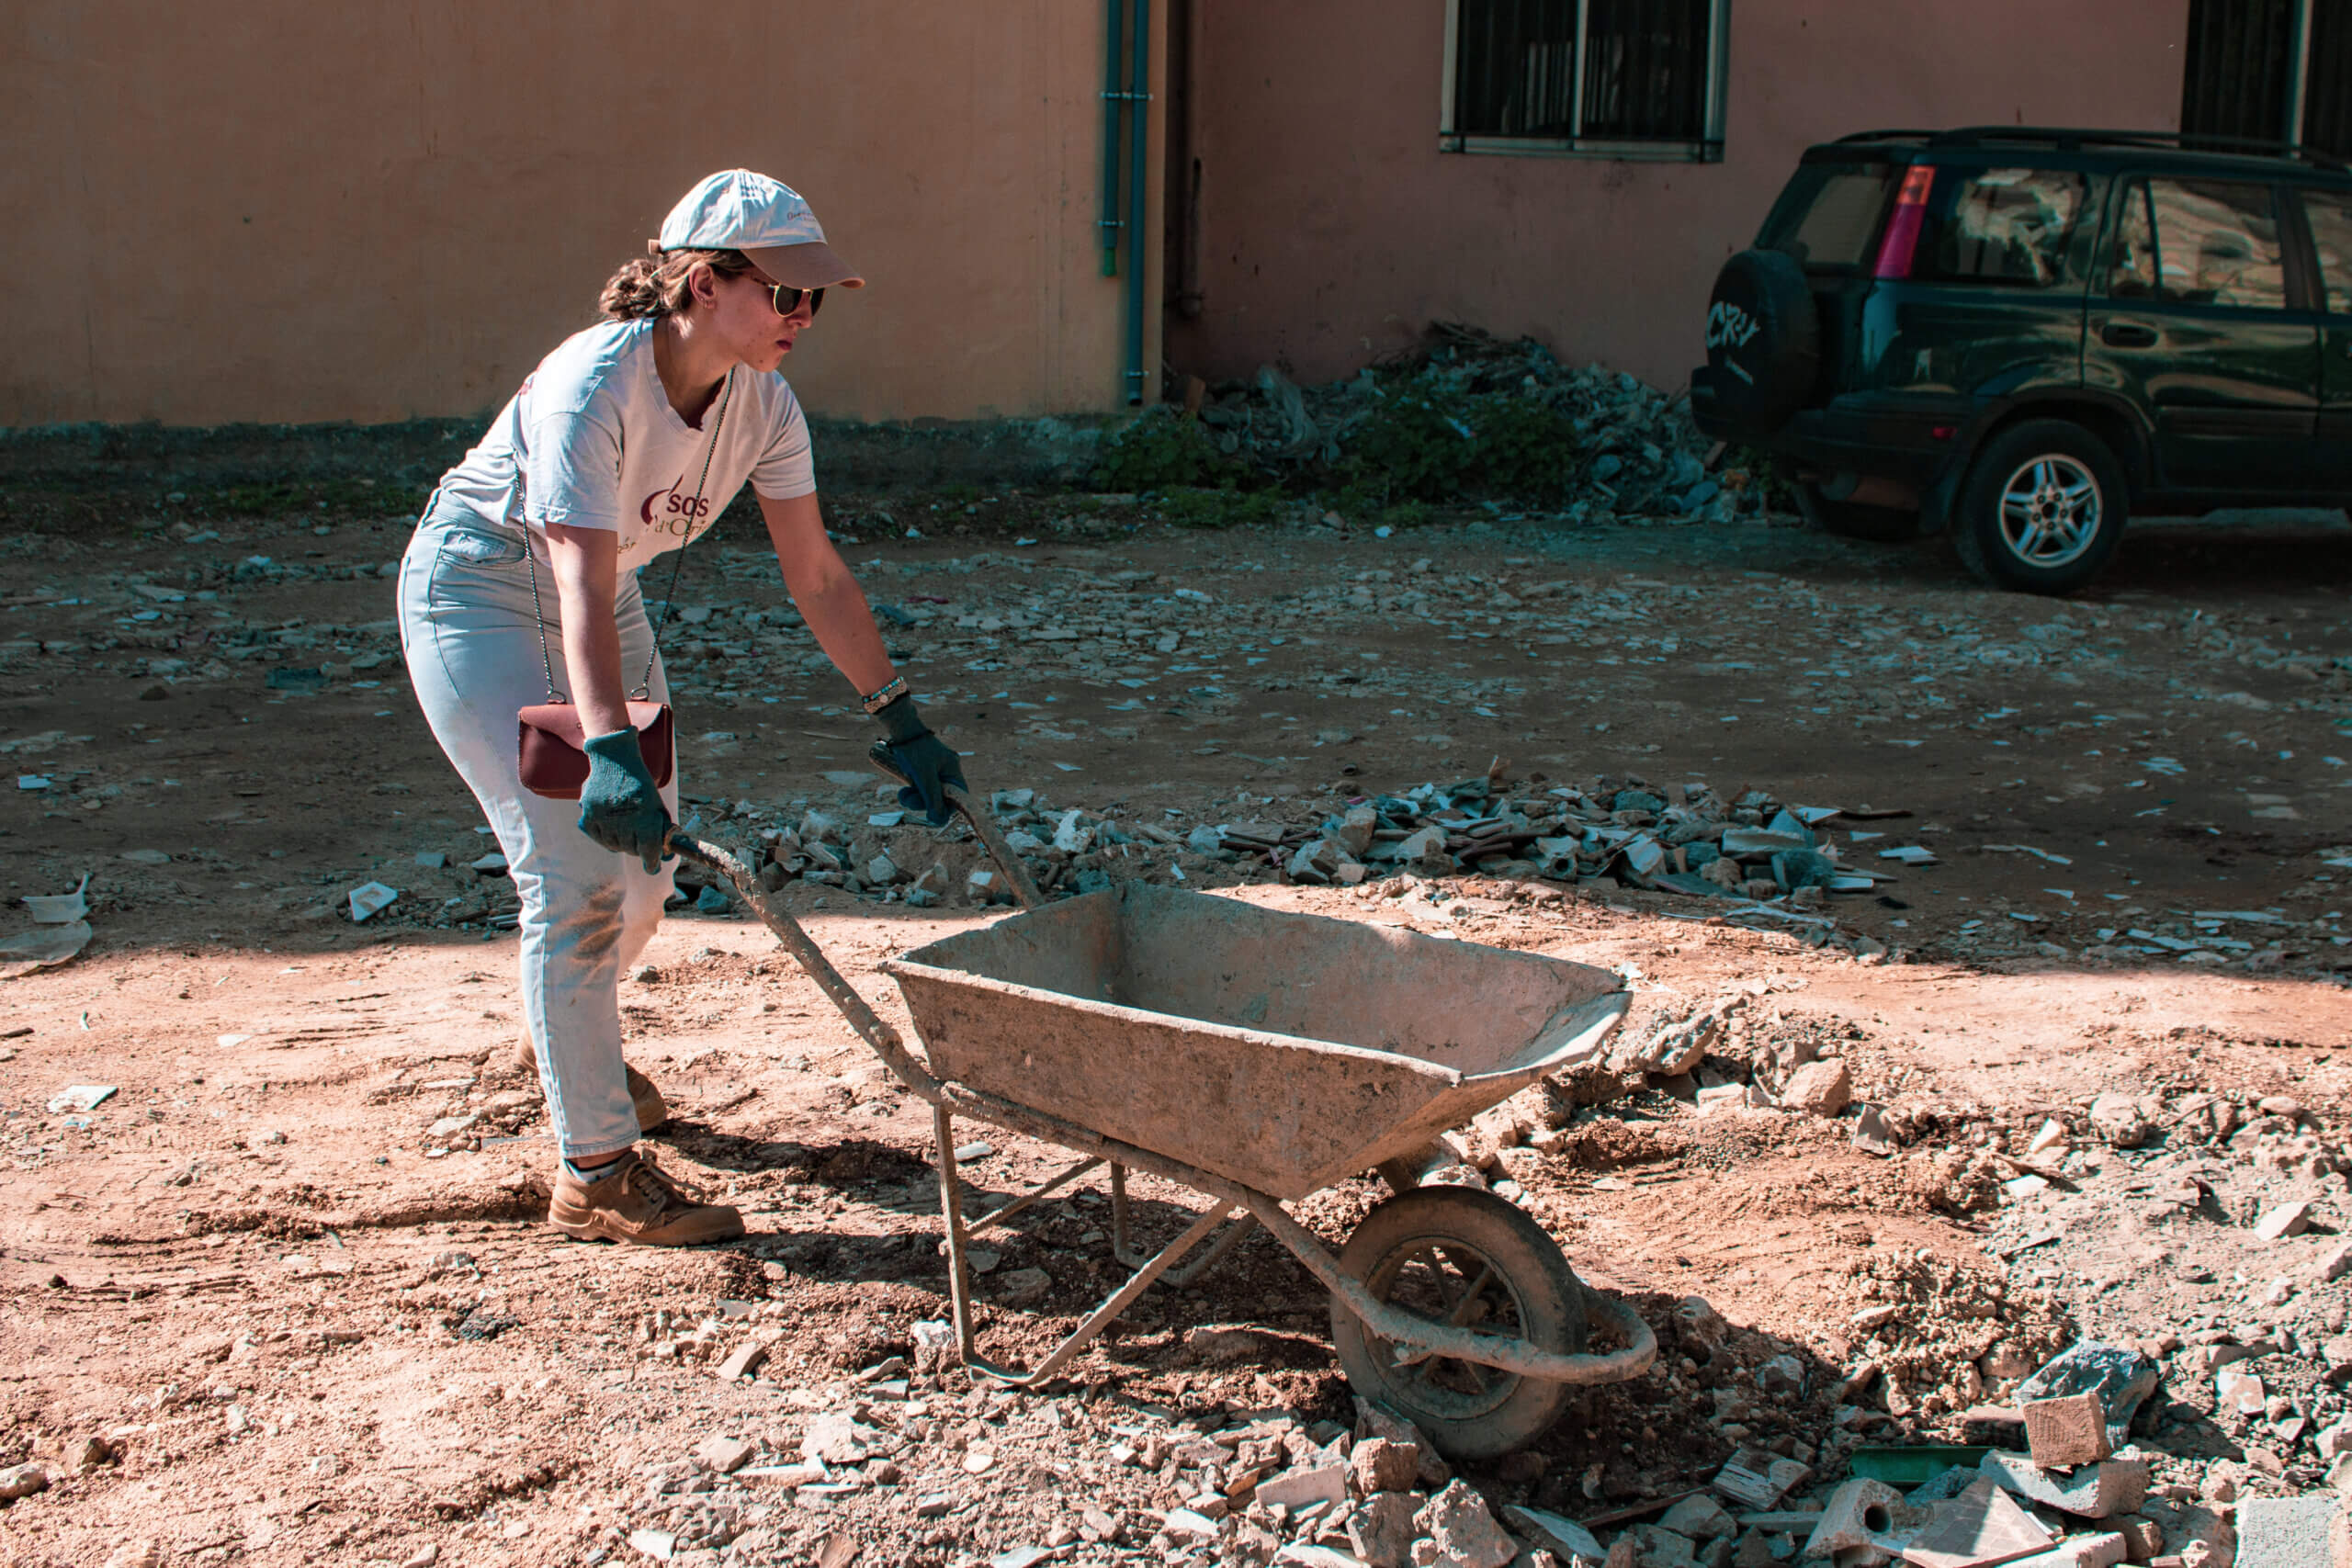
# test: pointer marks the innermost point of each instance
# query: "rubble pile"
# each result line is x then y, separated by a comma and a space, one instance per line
1469, 411
1755, 857
1941, 1335
2221, 1216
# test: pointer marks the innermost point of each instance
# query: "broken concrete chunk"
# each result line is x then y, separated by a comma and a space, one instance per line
1378, 1464
1297, 1487
1874, 1131
724, 1454
1380, 1529
22, 1480
2118, 1121
1679, 1047
2094, 1492
1982, 1526
1657, 1547
742, 1360
1573, 1542
1858, 1510
1757, 1478
2065, 1431
2188, 1525
837, 1437
2102, 1551
1820, 1088
1188, 1528
1460, 1532
1695, 1320
2121, 1378
1701, 1517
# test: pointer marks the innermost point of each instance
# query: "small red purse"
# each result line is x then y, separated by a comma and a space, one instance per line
550, 758
550, 754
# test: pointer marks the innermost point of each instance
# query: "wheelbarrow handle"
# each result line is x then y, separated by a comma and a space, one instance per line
1024, 889
805, 952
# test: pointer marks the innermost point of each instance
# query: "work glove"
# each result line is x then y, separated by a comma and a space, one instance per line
620, 807
922, 759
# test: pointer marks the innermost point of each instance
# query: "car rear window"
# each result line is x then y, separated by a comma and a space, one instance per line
1829, 214
2010, 227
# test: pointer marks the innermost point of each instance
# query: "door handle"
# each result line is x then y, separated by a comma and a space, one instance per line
2128, 334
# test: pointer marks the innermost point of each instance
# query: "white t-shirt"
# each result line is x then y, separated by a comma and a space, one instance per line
590, 441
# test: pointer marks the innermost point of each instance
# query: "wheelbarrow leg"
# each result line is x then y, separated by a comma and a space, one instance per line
951, 1215
1234, 1236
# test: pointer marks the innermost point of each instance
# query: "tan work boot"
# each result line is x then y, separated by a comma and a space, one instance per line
634, 1202
651, 1109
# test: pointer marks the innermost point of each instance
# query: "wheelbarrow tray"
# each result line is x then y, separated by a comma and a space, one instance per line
1284, 1052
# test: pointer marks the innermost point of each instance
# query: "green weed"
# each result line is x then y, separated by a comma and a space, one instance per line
1161, 449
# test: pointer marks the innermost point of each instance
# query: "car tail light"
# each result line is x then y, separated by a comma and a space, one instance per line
1903, 229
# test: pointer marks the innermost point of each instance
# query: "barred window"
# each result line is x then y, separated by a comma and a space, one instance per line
2269, 71
1600, 78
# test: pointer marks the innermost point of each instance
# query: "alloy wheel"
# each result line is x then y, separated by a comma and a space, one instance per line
2051, 509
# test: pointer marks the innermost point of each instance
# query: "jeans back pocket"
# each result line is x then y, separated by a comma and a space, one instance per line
474, 546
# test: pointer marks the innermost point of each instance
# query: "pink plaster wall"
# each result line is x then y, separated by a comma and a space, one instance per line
1332, 230
371, 209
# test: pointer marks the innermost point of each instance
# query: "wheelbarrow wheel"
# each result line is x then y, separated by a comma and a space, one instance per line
1458, 1256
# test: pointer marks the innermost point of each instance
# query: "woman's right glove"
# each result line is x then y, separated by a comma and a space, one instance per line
620, 807
928, 762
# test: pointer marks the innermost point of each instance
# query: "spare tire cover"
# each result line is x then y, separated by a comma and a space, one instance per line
1763, 342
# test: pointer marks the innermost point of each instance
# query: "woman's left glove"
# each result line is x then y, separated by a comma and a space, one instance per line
620, 805
926, 760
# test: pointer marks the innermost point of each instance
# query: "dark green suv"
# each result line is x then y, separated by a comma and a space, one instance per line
2023, 336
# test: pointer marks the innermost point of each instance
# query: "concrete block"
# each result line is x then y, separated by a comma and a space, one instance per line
2067, 1431
1858, 1510
2094, 1492
2285, 1532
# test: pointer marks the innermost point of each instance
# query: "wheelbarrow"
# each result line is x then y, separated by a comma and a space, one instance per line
1256, 1057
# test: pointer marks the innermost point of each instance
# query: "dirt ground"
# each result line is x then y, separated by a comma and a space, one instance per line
255, 1308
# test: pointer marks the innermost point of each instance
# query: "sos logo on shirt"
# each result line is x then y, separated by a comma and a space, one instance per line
673, 512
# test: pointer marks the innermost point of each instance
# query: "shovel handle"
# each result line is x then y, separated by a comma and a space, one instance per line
982, 824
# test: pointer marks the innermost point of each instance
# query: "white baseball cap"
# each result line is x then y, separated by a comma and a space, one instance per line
767, 220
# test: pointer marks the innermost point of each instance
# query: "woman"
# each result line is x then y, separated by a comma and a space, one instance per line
521, 582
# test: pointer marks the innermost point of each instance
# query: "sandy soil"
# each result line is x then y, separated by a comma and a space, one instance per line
303, 1328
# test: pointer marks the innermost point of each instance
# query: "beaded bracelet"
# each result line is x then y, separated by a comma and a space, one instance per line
875, 701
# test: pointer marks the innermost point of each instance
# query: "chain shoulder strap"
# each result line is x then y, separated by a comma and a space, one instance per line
530, 557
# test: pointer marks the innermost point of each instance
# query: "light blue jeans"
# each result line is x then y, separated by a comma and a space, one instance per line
472, 646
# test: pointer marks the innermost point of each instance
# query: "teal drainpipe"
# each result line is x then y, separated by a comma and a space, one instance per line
1139, 128
1109, 223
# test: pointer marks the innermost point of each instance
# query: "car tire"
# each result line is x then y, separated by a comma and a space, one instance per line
2041, 509
1851, 520
1763, 343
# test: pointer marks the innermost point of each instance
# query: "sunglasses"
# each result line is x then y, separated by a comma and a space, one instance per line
786, 299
